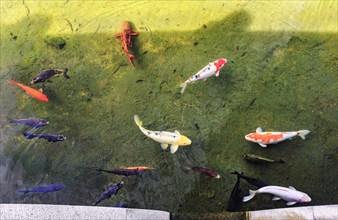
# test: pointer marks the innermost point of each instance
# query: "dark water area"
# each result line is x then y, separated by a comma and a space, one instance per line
280, 81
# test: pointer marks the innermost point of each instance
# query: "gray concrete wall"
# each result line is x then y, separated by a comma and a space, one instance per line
323, 212
36, 212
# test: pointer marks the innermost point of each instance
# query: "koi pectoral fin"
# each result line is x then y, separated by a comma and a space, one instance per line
164, 146
290, 203
263, 145
173, 148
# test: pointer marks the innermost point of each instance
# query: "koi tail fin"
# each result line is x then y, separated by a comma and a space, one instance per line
11, 120
131, 56
13, 82
137, 121
237, 173
280, 161
302, 133
249, 197
183, 86
24, 191
65, 73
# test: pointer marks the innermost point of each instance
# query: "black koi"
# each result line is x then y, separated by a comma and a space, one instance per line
253, 181
45, 75
49, 137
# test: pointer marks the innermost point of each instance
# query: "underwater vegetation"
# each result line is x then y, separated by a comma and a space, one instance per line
277, 80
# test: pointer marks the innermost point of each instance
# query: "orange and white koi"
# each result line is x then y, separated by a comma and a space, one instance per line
206, 72
264, 138
30, 91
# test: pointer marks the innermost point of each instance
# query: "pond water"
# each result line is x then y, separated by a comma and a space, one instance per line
282, 78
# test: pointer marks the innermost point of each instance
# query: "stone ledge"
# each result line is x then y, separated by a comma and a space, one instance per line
323, 212
38, 211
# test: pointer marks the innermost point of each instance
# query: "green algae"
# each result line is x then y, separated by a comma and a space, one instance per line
276, 80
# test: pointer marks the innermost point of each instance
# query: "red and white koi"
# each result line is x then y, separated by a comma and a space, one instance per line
206, 72
264, 138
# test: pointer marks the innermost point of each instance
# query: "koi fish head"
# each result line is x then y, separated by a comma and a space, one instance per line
221, 62
126, 26
305, 198
251, 137
44, 98
60, 138
183, 141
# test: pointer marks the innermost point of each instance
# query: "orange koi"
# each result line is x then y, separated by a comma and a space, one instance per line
30, 91
125, 37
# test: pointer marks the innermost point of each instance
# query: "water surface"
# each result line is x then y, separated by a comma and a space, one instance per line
279, 79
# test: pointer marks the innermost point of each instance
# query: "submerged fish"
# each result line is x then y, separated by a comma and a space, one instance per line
45, 75
234, 199
291, 195
175, 139
259, 159
113, 189
49, 137
30, 91
208, 71
33, 122
264, 138
124, 172
121, 205
44, 189
253, 181
138, 168
202, 170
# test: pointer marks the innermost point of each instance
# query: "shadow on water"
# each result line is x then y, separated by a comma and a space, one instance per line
276, 80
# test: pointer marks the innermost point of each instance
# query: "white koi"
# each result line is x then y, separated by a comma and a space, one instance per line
291, 195
206, 72
165, 138
264, 138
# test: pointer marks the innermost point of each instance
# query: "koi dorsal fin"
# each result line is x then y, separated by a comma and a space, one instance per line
290, 187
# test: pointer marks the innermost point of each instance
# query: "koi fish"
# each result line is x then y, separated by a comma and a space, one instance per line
234, 199
253, 181
125, 36
49, 137
165, 138
206, 72
44, 189
121, 205
259, 159
264, 138
138, 168
45, 75
291, 195
30, 91
33, 122
202, 170
124, 172
113, 189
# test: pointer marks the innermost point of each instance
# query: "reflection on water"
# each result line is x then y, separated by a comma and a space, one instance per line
281, 81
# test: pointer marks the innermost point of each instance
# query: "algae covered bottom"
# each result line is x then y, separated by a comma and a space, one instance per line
282, 78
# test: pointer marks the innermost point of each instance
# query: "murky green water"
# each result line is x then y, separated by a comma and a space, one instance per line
279, 80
